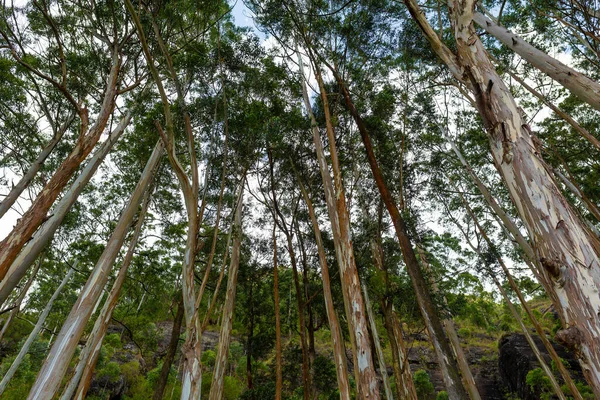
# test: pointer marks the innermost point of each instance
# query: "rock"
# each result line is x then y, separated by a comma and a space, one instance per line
516, 359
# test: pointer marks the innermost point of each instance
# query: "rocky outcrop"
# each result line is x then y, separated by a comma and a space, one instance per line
516, 359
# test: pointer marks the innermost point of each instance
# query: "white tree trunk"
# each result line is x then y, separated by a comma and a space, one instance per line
57, 361
89, 356
576, 82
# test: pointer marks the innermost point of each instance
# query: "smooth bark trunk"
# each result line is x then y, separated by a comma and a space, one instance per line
280, 221
57, 361
89, 356
577, 83
278, 356
17, 305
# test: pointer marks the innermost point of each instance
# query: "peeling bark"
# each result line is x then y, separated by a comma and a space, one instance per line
366, 379
378, 349
557, 233
441, 344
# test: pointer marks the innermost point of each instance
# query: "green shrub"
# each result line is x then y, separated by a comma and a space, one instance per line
538, 380
113, 340
423, 384
110, 370
443, 395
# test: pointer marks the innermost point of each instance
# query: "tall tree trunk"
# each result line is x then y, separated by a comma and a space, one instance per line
532, 345
40, 239
16, 307
33, 335
89, 356
33, 169
33, 218
339, 354
378, 349
366, 378
310, 326
567, 252
57, 361
576, 82
280, 221
163, 378
278, 357
218, 382
192, 348
448, 365
405, 387
249, 340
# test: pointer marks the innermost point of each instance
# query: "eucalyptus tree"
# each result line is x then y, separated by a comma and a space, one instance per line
106, 44
565, 246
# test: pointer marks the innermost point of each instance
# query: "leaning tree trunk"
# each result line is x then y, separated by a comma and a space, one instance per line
40, 239
57, 361
34, 217
366, 378
447, 362
339, 355
576, 82
568, 254
33, 169
163, 378
218, 382
278, 363
565, 249
33, 335
89, 356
